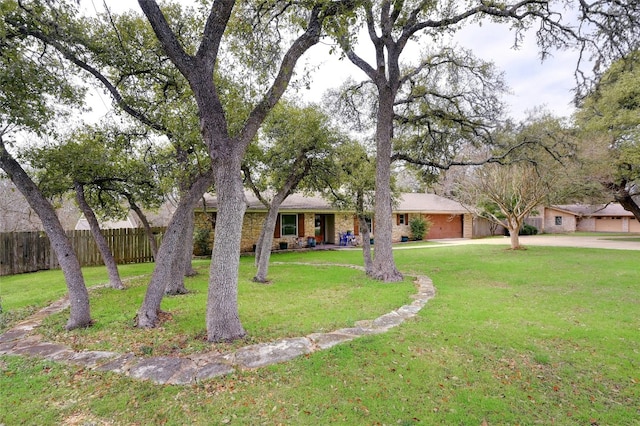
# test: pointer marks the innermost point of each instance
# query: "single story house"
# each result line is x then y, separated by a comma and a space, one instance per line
586, 218
302, 217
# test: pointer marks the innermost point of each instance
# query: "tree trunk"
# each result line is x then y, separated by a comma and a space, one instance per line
223, 321
515, 239
172, 246
384, 267
366, 245
263, 253
259, 244
105, 251
188, 249
513, 225
175, 283
147, 228
181, 264
80, 315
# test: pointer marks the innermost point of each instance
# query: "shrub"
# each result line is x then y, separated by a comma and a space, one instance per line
419, 227
201, 243
528, 230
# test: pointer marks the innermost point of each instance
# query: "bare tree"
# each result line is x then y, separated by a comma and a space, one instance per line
513, 190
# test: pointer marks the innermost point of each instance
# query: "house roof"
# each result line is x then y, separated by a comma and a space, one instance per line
594, 210
431, 203
128, 222
408, 203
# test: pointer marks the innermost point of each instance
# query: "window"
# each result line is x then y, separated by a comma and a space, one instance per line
289, 225
370, 224
403, 219
559, 220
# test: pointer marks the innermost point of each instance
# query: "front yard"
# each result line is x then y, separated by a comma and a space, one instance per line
541, 336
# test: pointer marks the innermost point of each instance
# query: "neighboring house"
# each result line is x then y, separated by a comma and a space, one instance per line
128, 222
587, 218
17, 216
157, 218
304, 217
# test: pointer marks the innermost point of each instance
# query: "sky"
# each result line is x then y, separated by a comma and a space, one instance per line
532, 83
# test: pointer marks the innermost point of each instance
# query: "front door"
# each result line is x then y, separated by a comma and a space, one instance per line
320, 228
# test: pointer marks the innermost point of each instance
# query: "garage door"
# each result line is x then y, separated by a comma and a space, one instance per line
634, 225
445, 226
607, 224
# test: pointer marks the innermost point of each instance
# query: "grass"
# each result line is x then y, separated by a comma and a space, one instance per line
603, 234
23, 294
301, 300
632, 239
539, 336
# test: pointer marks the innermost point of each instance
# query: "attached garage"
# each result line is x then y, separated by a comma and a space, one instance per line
608, 224
634, 225
447, 216
445, 226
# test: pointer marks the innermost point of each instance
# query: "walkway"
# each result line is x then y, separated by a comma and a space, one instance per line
24, 340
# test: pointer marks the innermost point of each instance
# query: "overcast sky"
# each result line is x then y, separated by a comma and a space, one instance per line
533, 83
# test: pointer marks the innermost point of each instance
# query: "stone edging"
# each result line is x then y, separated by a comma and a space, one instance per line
19, 340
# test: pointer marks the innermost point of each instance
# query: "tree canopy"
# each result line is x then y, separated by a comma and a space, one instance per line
295, 152
609, 124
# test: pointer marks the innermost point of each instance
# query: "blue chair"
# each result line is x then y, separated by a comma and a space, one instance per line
343, 239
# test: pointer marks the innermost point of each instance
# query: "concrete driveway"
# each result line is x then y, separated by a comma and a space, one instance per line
600, 241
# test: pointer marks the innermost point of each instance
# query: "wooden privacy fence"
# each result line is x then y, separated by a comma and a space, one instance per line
31, 251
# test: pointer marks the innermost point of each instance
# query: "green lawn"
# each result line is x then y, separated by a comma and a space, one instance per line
22, 294
300, 300
539, 336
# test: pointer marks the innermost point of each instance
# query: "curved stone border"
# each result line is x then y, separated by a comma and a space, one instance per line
19, 340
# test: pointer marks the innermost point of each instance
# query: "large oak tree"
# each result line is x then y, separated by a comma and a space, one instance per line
227, 149
606, 29
34, 91
296, 152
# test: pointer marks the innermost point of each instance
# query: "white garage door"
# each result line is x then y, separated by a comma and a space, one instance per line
608, 224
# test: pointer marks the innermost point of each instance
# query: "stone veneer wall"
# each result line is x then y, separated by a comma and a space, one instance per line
252, 225
467, 226
403, 230
344, 222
